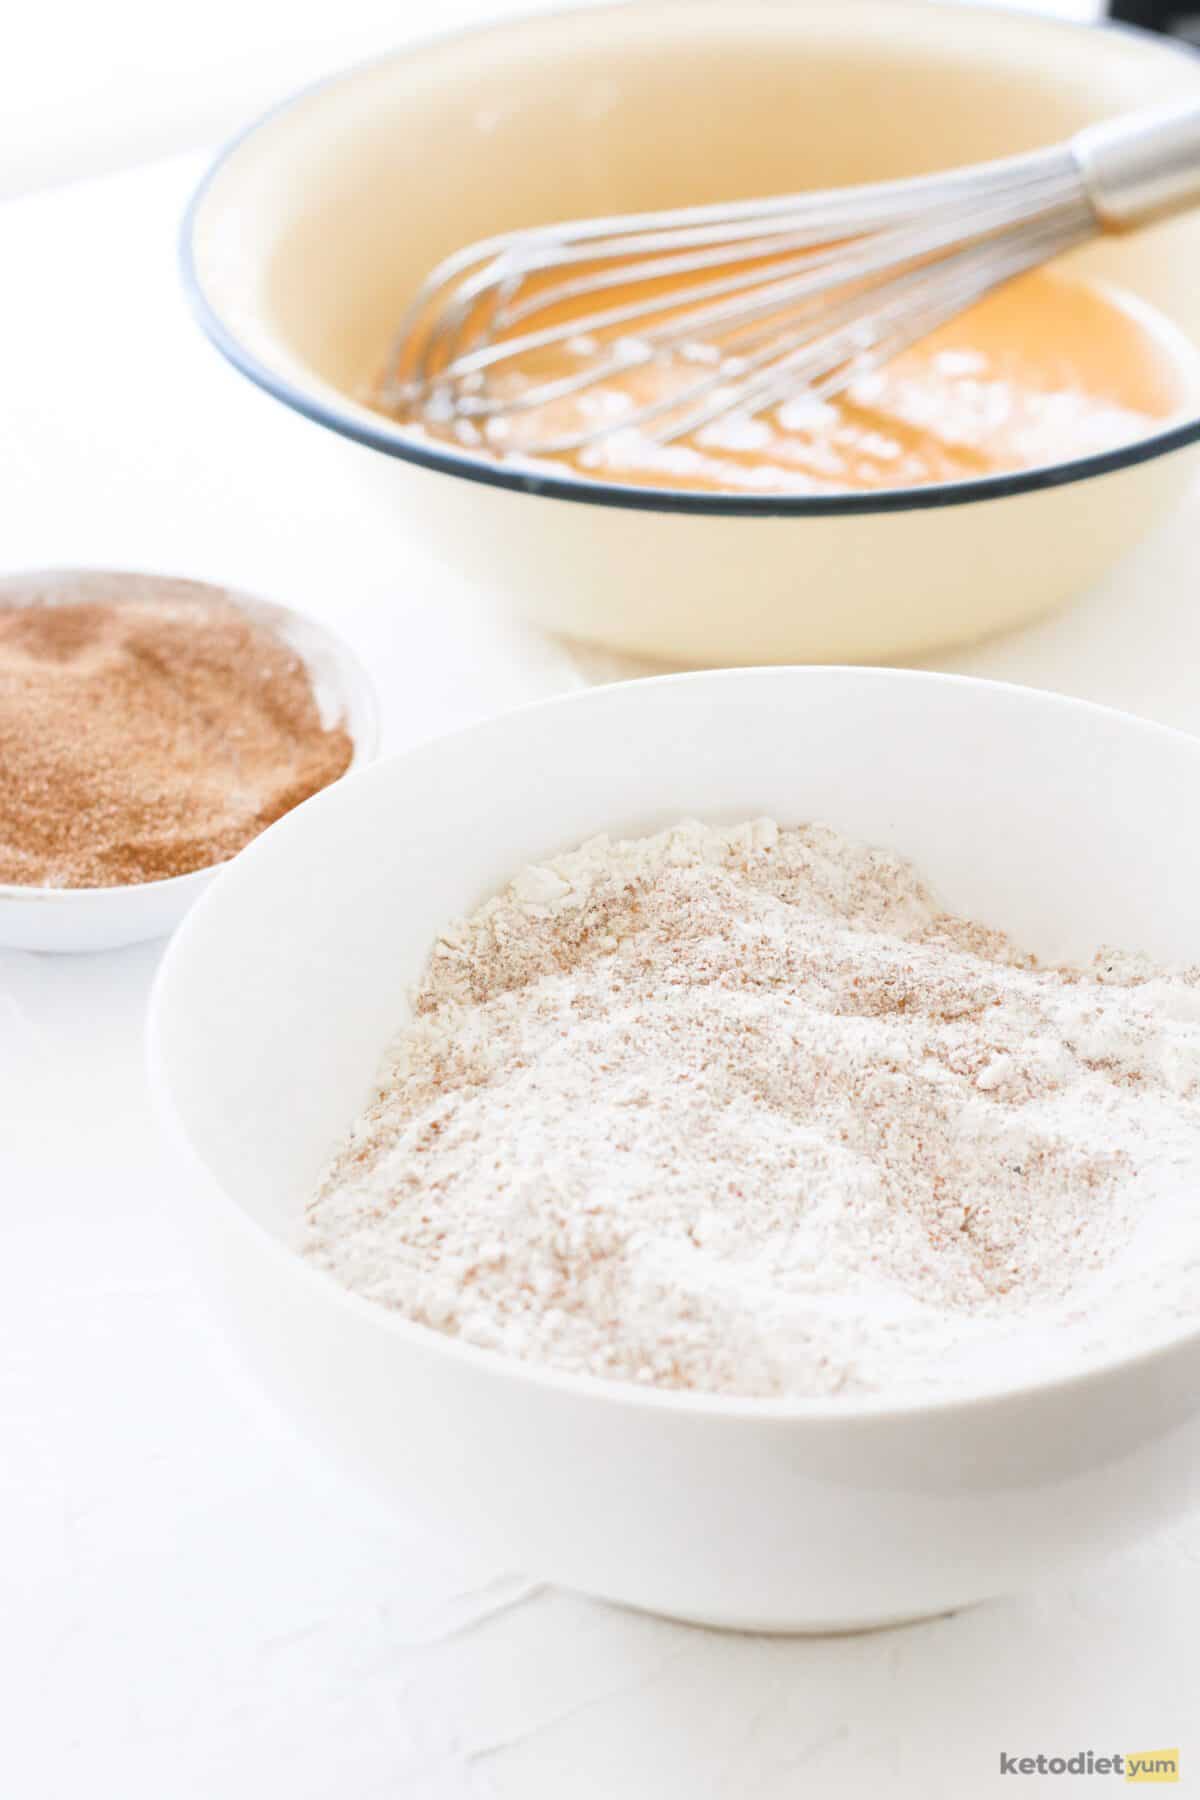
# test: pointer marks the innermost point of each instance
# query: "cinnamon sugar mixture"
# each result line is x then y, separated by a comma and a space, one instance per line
745, 1111
142, 738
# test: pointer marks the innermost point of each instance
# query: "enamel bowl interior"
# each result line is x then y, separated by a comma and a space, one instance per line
317, 227
1069, 825
42, 918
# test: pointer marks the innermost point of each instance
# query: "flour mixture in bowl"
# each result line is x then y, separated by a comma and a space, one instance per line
745, 1111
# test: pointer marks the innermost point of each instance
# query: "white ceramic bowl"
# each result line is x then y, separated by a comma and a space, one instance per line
314, 229
1066, 823
42, 918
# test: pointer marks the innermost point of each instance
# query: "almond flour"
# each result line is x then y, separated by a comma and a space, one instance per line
745, 1111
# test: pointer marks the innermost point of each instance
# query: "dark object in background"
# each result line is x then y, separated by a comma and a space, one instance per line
1167, 16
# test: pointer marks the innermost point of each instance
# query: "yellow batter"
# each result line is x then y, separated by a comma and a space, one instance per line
1044, 370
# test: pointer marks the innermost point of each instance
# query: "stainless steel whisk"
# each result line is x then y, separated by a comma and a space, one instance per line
760, 301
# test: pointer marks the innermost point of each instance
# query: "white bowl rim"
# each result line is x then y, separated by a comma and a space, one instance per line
379, 433
831, 1412
365, 737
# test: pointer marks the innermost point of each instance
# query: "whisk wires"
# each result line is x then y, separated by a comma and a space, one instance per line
738, 309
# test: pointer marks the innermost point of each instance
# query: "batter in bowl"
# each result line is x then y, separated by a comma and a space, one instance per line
1043, 371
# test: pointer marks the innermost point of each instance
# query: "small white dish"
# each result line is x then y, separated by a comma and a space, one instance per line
1070, 825
42, 918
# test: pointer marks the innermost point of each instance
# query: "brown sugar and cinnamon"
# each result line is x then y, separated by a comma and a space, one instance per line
143, 737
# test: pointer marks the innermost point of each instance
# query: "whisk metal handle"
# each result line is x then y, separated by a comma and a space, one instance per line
1143, 165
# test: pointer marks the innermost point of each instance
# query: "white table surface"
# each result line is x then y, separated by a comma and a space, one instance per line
193, 1606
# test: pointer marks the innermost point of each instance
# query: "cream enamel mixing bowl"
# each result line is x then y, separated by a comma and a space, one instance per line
1068, 824
313, 230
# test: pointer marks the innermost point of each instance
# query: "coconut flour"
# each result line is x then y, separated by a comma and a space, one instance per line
745, 1111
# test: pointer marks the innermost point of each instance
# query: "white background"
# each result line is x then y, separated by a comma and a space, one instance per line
193, 1605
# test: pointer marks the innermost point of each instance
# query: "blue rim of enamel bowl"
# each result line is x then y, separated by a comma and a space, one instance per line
391, 440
